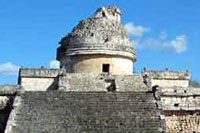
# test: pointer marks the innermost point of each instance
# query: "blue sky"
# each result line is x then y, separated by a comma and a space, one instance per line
166, 33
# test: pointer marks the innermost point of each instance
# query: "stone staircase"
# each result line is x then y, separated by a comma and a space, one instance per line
86, 112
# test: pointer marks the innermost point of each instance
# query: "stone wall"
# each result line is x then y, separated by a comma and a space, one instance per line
181, 108
50, 79
180, 98
81, 82
166, 74
38, 79
95, 82
38, 84
94, 64
181, 121
170, 82
129, 83
38, 72
181, 102
168, 78
7, 95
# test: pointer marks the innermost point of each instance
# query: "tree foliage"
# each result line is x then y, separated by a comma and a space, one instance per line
194, 83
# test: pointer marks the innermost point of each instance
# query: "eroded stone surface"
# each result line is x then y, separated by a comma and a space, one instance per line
82, 97
99, 32
183, 121
98, 40
168, 78
75, 112
7, 95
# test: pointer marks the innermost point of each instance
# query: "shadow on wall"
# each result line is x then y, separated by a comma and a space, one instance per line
54, 85
5, 112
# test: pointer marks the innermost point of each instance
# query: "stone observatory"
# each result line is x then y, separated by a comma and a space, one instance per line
96, 91
98, 44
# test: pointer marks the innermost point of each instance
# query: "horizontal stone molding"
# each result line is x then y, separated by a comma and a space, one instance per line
174, 75
43, 72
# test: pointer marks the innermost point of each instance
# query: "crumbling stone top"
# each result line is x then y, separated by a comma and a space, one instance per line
111, 12
166, 74
103, 31
8, 89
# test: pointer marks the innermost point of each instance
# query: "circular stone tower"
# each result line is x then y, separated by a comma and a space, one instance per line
99, 44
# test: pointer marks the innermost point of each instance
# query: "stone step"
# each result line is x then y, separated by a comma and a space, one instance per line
57, 112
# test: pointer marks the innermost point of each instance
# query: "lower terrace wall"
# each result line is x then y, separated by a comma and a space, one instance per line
181, 121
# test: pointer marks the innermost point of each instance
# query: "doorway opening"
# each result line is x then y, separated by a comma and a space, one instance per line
106, 68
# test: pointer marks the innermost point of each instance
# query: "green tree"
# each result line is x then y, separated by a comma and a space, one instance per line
194, 83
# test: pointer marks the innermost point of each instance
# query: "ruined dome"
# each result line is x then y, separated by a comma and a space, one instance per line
102, 33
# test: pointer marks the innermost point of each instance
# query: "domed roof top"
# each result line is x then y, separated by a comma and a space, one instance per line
102, 33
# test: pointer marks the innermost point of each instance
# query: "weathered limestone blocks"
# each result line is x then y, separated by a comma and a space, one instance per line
110, 12
7, 95
95, 82
77, 112
168, 74
11, 120
181, 108
180, 91
130, 83
183, 122
190, 103
97, 41
3, 102
6, 90
168, 78
38, 72
38, 79
98, 33
81, 82
53, 79
181, 98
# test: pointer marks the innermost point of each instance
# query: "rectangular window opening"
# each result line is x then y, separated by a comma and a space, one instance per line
106, 68
176, 105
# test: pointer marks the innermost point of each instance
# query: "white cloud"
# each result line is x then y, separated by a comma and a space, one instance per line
9, 69
177, 45
137, 31
54, 64
180, 43
136, 43
163, 35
